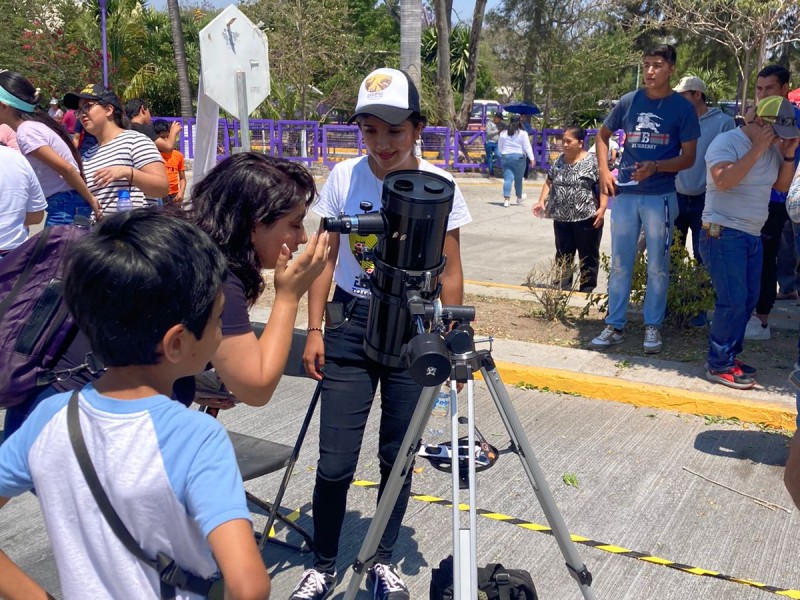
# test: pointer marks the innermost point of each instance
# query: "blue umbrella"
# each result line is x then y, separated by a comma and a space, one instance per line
522, 108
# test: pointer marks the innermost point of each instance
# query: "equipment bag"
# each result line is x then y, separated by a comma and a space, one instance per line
494, 583
35, 325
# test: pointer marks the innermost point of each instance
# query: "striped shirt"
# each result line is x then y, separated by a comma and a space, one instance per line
128, 149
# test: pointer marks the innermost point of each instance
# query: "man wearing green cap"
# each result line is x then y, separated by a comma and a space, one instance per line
743, 165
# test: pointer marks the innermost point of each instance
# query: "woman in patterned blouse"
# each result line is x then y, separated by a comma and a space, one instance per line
576, 207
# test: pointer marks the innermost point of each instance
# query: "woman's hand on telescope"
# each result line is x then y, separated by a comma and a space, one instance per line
294, 276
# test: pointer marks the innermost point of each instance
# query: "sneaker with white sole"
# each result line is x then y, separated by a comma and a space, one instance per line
521, 199
314, 585
607, 338
506, 202
652, 340
733, 378
755, 330
386, 583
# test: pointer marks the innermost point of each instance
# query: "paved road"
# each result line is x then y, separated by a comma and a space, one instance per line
633, 492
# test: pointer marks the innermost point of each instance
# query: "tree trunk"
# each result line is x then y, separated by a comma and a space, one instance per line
180, 59
411, 39
745, 81
444, 86
472, 68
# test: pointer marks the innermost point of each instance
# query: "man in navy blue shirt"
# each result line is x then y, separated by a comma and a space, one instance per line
661, 131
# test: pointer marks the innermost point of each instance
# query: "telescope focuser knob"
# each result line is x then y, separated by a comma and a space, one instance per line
365, 206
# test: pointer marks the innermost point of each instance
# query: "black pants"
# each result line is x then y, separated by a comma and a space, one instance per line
690, 216
771, 240
582, 237
348, 390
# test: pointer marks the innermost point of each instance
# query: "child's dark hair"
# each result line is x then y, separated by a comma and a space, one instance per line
160, 125
240, 192
665, 51
579, 133
135, 276
16, 85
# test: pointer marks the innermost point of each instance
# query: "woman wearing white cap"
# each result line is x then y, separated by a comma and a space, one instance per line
389, 116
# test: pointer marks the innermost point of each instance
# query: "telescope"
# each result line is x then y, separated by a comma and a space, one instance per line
406, 320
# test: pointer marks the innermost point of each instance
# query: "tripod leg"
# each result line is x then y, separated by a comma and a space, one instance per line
402, 464
287, 473
465, 552
498, 391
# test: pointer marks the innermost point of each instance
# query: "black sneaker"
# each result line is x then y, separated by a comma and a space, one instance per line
745, 368
733, 378
314, 585
386, 583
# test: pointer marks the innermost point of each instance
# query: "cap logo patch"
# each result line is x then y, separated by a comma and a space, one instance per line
88, 89
378, 83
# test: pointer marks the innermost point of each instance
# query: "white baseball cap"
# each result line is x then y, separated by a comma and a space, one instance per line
690, 83
388, 94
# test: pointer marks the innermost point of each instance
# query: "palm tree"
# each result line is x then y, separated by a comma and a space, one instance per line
411, 39
180, 58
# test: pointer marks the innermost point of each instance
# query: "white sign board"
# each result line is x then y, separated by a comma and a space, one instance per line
231, 43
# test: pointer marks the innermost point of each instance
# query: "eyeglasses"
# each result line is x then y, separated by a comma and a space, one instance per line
84, 110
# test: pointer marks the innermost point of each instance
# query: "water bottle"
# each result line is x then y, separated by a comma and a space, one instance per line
438, 430
124, 201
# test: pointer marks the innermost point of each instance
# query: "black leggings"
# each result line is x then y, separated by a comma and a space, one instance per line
582, 237
771, 234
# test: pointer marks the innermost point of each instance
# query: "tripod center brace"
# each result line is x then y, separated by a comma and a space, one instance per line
464, 361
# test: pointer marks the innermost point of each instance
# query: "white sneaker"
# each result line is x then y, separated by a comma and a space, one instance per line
608, 337
755, 330
521, 198
506, 203
652, 340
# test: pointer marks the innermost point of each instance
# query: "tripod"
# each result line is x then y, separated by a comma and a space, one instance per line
465, 361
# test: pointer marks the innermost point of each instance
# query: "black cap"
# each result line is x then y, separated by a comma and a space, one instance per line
93, 91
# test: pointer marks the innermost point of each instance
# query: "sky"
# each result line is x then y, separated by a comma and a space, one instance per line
462, 9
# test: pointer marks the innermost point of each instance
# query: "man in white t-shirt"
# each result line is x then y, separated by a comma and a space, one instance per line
22, 202
743, 165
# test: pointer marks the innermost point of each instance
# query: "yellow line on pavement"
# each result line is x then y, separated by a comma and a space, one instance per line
644, 394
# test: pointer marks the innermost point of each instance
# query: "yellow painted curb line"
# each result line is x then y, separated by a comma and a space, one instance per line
649, 395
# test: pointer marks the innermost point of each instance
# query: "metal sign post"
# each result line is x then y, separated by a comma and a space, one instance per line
244, 113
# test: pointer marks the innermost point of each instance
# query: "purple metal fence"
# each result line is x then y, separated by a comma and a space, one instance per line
298, 140
340, 142
437, 146
473, 142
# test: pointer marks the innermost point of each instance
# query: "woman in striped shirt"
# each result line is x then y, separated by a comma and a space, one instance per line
123, 159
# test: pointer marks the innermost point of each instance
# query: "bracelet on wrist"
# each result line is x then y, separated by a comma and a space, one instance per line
788, 158
310, 329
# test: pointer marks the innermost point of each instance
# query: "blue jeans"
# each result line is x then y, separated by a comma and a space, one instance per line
734, 263
348, 389
632, 213
491, 155
64, 206
513, 170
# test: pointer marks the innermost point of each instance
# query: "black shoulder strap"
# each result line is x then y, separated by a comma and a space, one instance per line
26, 272
170, 574
500, 577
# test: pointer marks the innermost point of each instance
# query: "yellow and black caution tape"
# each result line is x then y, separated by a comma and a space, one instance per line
787, 593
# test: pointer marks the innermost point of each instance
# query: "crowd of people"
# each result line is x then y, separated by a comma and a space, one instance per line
183, 279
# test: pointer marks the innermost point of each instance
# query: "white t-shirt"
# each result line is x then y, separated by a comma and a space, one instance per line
612, 145
519, 143
745, 206
170, 474
20, 193
32, 135
350, 183
128, 149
